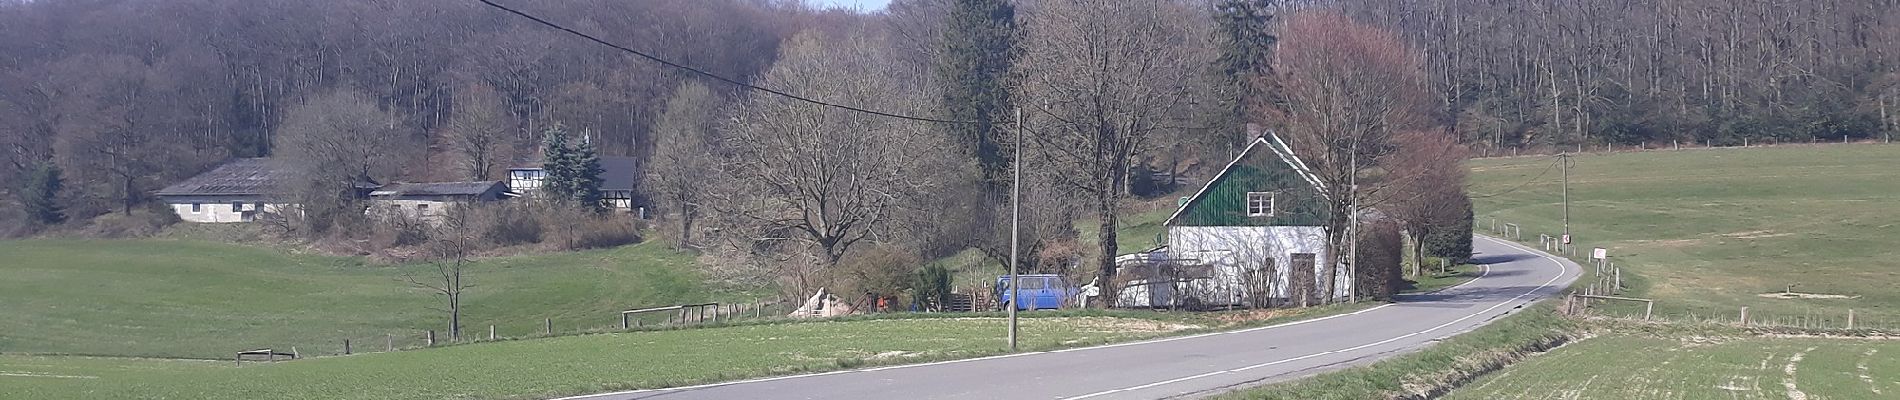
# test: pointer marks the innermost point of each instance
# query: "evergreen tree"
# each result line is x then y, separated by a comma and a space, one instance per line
585, 175
557, 164
979, 49
573, 171
41, 195
1243, 30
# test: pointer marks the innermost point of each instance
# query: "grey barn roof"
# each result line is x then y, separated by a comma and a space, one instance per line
617, 172
476, 188
244, 176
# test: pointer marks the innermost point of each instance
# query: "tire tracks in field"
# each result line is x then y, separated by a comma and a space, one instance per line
1794, 393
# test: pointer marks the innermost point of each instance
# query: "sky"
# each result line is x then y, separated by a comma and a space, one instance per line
866, 5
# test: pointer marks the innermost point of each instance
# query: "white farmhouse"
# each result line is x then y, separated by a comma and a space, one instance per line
1254, 236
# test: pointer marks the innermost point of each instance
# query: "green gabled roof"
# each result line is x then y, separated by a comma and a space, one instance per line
1276, 169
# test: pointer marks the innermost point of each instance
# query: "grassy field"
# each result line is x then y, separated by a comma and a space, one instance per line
170, 298
1709, 231
556, 366
567, 365
1701, 368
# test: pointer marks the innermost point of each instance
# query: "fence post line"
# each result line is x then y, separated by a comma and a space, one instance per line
346, 347
1648, 308
491, 332
1850, 319
623, 321
547, 326
1744, 315
389, 342
431, 338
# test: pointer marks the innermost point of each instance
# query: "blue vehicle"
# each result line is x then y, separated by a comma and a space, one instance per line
1039, 291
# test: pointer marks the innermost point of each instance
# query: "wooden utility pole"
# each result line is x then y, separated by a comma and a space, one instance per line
1015, 216
1564, 158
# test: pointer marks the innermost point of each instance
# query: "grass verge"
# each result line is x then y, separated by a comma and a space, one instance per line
603, 362
1435, 369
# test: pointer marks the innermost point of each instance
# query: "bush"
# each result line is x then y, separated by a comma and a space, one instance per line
574, 229
883, 270
505, 224
141, 223
931, 286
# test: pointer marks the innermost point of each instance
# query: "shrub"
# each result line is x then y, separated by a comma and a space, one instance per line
582, 229
932, 286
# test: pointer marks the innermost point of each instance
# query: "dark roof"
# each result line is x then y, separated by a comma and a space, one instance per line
617, 172
476, 188
244, 176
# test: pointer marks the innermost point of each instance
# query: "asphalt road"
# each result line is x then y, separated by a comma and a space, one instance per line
1190, 366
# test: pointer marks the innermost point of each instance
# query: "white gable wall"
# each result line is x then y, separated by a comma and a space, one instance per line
1238, 252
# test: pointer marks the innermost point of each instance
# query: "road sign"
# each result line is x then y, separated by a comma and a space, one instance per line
1566, 238
1600, 254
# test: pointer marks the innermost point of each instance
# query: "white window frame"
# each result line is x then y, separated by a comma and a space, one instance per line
1264, 200
194, 207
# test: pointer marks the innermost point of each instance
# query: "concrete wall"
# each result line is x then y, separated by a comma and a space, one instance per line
1237, 255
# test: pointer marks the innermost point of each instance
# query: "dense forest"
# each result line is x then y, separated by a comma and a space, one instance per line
102, 102
1633, 71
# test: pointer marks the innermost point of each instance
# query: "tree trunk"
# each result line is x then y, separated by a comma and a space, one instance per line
1106, 242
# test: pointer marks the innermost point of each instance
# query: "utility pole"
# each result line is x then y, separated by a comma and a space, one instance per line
1015, 218
1352, 221
1565, 159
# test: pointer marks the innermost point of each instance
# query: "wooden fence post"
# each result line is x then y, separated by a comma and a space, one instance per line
1648, 308
1850, 319
623, 321
547, 326
1744, 315
491, 332
389, 342
346, 347
430, 339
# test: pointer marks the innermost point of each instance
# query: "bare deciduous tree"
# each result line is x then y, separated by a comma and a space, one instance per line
682, 162
826, 177
1099, 78
453, 239
1347, 87
332, 144
481, 132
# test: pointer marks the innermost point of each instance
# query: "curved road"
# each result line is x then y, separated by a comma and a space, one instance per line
1189, 366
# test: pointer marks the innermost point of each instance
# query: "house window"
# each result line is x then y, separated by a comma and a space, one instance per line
1259, 204
194, 207
237, 207
422, 209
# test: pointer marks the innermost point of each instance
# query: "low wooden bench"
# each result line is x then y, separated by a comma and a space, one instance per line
267, 354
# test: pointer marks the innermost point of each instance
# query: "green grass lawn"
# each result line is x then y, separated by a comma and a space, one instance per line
1700, 368
568, 365
181, 298
1709, 231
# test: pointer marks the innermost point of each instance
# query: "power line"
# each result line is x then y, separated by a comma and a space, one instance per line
709, 74
1533, 179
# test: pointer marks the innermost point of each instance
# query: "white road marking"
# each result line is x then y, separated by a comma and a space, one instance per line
1561, 272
